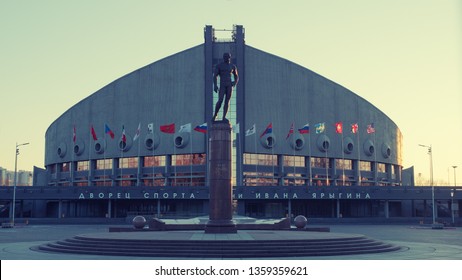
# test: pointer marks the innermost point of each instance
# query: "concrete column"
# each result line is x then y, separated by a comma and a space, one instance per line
413, 208
435, 208
240, 98
398, 174
58, 167
91, 168
376, 174
357, 168
338, 208
115, 166
11, 210
387, 209
72, 169
21, 208
60, 209
424, 209
158, 208
115, 208
138, 172
390, 178
289, 210
280, 170
109, 208
208, 70
334, 173
309, 171
169, 170
220, 180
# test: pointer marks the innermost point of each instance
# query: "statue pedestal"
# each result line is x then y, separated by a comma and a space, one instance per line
221, 212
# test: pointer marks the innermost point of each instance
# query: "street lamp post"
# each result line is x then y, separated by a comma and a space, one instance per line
15, 180
452, 206
431, 180
454, 166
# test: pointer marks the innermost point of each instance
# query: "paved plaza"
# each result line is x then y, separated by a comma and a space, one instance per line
417, 242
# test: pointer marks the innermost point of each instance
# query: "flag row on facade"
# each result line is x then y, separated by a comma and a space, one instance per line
305, 129
168, 128
202, 128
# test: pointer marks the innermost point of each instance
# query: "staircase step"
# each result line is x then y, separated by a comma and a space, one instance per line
218, 248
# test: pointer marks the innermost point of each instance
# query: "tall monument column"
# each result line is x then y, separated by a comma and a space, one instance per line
221, 212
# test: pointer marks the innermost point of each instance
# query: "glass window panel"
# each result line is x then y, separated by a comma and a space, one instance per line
103, 164
83, 165
294, 161
151, 161
131, 162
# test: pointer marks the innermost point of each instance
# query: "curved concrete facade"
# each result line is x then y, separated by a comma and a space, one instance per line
178, 89
282, 92
164, 92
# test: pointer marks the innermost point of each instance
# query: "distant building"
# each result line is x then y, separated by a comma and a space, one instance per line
24, 178
3, 177
7, 178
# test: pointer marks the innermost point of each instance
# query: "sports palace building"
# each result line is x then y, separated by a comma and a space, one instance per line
302, 145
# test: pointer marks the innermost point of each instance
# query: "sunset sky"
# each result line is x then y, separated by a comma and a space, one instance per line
402, 56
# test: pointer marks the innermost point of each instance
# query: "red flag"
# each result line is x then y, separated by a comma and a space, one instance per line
93, 133
370, 128
339, 127
168, 128
291, 131
124, 138
354, 128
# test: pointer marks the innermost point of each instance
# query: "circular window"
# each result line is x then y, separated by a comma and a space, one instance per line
297, 141
79, 148
323, 143
122, 145
386, 151
181, 139
269, 141
99, 146
151, 142
299, 144
61, 151
348, 145
369, 147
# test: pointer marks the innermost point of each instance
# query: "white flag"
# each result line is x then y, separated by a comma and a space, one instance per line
250, 131
138, 132
185, 128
